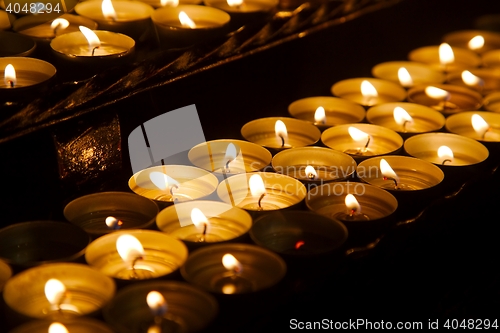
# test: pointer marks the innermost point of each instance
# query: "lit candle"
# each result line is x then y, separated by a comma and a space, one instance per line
482, 80
361, 138
369, 91
58, 297
158, 306
405, 78
131, 251
446, 58
408, 73
483, 129
257, 189
245, 11
57, 328
445, 154
43, 29
64, 325
353, 210
201, 223
479, 41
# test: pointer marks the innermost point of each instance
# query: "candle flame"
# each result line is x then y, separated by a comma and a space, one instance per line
55, 291
108, 10
446, 55
199, 219
476, 42
319, 115
357, 135
437, 93
162, 181
156, 303
445, 153
404, 77
310, 172
480, 125
91, 37
112, 222
186, 20
59, 23
57, 328
231, 152
387, 171
231, 263
368, 90
352, 204
129, 248
256, 185
401, 116
281, 132
299, 244
170, 3
470, 79
10, 76
234, 3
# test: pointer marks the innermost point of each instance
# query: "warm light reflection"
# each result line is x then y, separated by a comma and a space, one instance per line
108, 11
230, 152
470, 79
113, 223
401, 116
352, 204
405, 78
169, 3
10, 78
437, 93
231, 263
480, 125
476, 43
59, 24
446, 55
234, 3
357, 135
445, 154
281, 132
256, 185
368, 90
91, 37
129, 248
186, 20
162, 181
311, 172
156, 303
199, 219
57, 328
388, 172
319, 115
55, 291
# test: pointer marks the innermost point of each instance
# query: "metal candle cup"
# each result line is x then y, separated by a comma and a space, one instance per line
387, 91
262, 132
462, 39
424, 118
15, 45
420, 73
89, 212
488, 80
225, 222
213, 156
189, 309
158, 3
337, 111
329, 165
492, 102
133, 18
260, 269
163, 255
211, 23
382, 141
74, 325
194, 183
33, 243
249, 12
87, 292
281, 192
463, 58
5, 273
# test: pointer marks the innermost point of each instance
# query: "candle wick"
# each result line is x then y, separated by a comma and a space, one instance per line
227, 165
204, 233
367, 142
311, 176
404, 125
352, 212
446, 160
282, 141
134, 273
56, 28
171, 189
260, 199
11, 83
394, 180
93, 50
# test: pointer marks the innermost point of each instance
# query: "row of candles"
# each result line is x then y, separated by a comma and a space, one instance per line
206, 208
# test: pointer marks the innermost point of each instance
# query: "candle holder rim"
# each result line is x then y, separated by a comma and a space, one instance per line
348, 107
271, 3
155, 17
47, 65
25, 39
17, 25
116, 4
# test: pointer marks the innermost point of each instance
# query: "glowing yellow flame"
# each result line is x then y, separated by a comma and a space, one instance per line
156, 303
199, 219
476, 42
129, 248
55, 291
113, 222
57, 328
186, 20
231, 263
445, 153
161, 180
310, 171
108, 10
230, 152
170, 3
446, 55
479, 124
470, 79
281, 132
234, 3
357, 135
352, 204
368, 90
437, 93
59, 24
401, 116
256, 185
319, 115
387, 171
10, 76
91, 37
405, 78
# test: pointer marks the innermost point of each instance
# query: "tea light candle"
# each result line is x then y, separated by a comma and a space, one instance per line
90, 212
15, 45
482, 80
171, 3
445, 58
84, 291
481, 125
167, 184
43, 28
22, 246
261, 191
446, 98
419, 73
219, 222
336, 111
406, 118
369, 91
188, 309
491, 102
136, 255
250, 269
131, 18
73, 325
362, 140
314, 164
5, 274
279, 133
295, 234
245, 11
201, 25
229, 156
479, 41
